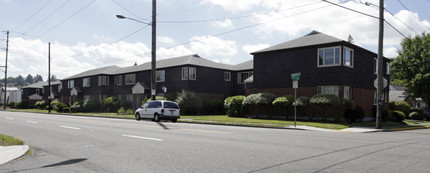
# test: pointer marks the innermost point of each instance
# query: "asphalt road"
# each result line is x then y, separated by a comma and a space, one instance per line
81, 144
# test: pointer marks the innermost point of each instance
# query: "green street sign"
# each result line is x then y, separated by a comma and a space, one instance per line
295, 76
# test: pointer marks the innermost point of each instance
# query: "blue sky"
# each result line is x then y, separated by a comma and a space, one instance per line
86, 34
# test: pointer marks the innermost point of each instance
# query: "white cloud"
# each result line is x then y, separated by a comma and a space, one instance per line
208, 46
164, 53
223, 24
390, 52
31, 57
166, 40
252, 48
233, 5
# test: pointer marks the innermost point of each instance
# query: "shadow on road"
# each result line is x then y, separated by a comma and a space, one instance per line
162, 125
67, 162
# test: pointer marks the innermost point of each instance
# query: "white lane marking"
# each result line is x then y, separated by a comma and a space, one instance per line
9, 118
141, 137
68, 127
33, 122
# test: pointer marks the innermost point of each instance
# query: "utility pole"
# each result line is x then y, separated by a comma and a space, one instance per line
154, 48
5, 72
49, 77
380, 77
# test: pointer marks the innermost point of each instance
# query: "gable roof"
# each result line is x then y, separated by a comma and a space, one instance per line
99, 71
41, 84
248, 65
313, 38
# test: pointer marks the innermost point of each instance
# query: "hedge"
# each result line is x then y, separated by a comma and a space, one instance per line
233, 106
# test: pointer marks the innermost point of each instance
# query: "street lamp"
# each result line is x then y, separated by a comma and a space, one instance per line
153, 46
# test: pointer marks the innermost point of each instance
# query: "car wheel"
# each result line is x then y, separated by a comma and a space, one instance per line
156, 118
137, 116
175, 120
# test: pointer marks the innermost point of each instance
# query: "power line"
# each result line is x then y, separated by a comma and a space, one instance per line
31, 16
401, 21
55, 11
413, 14
128, 10
67, 18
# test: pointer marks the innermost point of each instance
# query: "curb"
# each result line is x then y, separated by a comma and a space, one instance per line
237, 125
407, 128
10, 153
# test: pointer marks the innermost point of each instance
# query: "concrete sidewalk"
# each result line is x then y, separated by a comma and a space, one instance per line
352, 129
10, 153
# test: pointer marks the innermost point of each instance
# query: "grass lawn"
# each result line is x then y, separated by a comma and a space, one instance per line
9, 140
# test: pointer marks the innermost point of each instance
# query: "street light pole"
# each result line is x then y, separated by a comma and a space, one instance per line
380, 76
5, 72
153, 46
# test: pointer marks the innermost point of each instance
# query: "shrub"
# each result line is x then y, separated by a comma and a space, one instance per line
76, 107
156, 98
66, 109
354, 115
129, 112
282, 104
348, 104
121, 111
400, 106
111, 104
420, 113
91, 106
302, 101
416, 116
233, 105
40, 104
214, 106
11, 104
398, 116
189, 103
60, 107
23, 104
324, 101
259, 104
126, 104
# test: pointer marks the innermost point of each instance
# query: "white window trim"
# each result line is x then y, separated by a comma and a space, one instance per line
227, 76
375, 63
321, 88
344, 57
388, 68
70, 83
88, 82
192, 70
117, 81
103, 80
331, 65
184, 73
349, 93
133, 81
160, 72
239, 76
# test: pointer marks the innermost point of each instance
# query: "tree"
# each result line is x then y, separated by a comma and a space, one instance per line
38, 78
20, 81
412, 67
29, 79
53, 78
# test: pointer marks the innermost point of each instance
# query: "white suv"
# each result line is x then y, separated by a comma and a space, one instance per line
158, 109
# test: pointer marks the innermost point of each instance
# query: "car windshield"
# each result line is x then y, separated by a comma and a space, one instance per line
170, 105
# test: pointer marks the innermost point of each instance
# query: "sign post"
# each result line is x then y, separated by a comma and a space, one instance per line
295, 77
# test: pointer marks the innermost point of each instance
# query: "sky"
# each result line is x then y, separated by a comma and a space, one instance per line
85, 35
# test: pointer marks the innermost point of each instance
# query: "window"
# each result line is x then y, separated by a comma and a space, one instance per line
348, 57
184, 73
103, 80
160, 76
86, 82
347, 92
375, 66
70, 84
118, 80
87, 97
154, 104
192, 73
130, 79
242, 76
388, 67
60, 87
329, 56
328, 90
227, 76
170, 105
129, 98
37, 91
